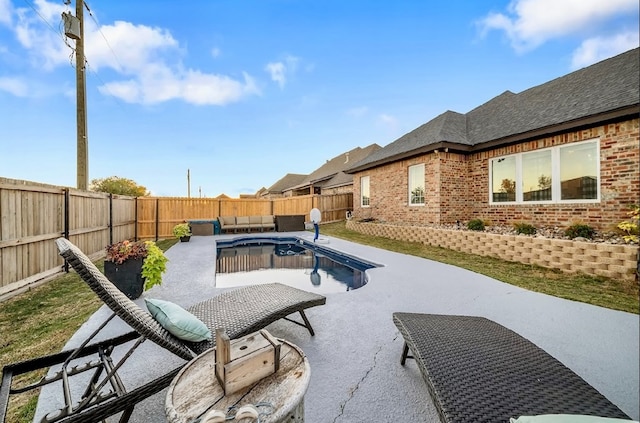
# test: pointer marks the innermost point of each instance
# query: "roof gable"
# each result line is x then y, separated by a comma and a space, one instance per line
604, 87
287, 181
337, 164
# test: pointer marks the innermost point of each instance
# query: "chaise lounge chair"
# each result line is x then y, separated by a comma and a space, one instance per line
238, 312
479, 371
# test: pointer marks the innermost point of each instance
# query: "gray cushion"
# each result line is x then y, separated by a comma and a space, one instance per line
566, 418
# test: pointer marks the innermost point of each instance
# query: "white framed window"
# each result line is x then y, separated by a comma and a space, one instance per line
416, 185
566, 173
365, 195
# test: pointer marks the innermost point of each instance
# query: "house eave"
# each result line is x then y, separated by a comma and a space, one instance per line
612, 116
440, 146
569, 126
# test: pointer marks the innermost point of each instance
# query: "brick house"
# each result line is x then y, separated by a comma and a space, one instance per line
562, 152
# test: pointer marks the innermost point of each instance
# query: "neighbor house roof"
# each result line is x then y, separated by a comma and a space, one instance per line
602, 92
288, 180
338, 164
340, 179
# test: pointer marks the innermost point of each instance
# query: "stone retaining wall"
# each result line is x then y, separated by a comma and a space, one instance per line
613, 261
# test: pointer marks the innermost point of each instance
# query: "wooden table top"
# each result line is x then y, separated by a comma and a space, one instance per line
195, 390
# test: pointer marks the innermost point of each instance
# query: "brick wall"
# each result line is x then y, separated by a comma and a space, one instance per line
457, 186
390, 192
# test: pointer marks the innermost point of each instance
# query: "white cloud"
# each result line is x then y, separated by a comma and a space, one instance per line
387, 120
147, 60
15, 86
279, 71
358, 111
45, 47
192, 86
530, 23
5, 12
599, 48
215, 52
130, 48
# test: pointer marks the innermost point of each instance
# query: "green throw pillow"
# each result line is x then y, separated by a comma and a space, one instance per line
178, 321
565, 418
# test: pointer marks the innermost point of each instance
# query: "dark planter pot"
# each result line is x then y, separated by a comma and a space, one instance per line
185, 238
127, 277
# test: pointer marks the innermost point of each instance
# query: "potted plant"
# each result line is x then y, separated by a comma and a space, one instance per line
182, 231
134, 267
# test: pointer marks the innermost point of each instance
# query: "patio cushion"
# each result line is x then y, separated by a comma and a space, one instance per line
178, 321
242, 220
566, 418
227, 220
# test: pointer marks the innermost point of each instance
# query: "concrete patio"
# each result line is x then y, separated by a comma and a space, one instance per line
354, 356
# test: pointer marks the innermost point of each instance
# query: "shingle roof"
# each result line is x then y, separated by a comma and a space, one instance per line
288, 180
336, 165
338, 180
607, 86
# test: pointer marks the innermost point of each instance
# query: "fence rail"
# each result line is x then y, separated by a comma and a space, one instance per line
32, 215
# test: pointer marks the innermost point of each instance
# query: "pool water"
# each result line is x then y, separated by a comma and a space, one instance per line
290, 261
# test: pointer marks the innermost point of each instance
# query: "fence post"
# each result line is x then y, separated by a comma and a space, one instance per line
110, 218
135, 217
157, 217
66, 223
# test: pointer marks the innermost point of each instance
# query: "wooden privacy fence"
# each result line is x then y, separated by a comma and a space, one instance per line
158, 215
33, 215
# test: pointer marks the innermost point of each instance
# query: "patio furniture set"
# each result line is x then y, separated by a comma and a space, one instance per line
475, 369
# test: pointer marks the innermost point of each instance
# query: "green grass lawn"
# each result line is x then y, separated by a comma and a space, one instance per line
41, 320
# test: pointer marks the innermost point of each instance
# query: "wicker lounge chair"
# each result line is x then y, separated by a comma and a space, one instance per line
239, 312
479, 371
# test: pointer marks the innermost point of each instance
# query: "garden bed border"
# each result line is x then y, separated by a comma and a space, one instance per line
600, 259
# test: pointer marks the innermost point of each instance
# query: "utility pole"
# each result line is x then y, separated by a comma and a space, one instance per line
188, 184
81, 104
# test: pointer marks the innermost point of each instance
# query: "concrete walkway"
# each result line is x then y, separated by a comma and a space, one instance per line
354, 356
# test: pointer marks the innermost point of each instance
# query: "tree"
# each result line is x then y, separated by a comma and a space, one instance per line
417, 195
508, 186
118, 185
544, 182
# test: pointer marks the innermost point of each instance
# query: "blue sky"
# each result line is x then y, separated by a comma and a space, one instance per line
241, 92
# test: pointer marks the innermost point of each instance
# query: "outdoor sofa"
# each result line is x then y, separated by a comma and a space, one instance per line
247, 223
478, 371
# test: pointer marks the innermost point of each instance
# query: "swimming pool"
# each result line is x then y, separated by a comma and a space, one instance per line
289, 260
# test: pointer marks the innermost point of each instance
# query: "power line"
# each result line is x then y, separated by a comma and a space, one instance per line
60, 33
43, 18
103, 36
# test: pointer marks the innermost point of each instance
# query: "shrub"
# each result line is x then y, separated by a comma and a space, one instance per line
476, 225
524, 229
181, 230
630, 227
579, 230
154, 265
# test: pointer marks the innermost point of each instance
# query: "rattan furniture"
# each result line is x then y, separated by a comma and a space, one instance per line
479, 371
239, 312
